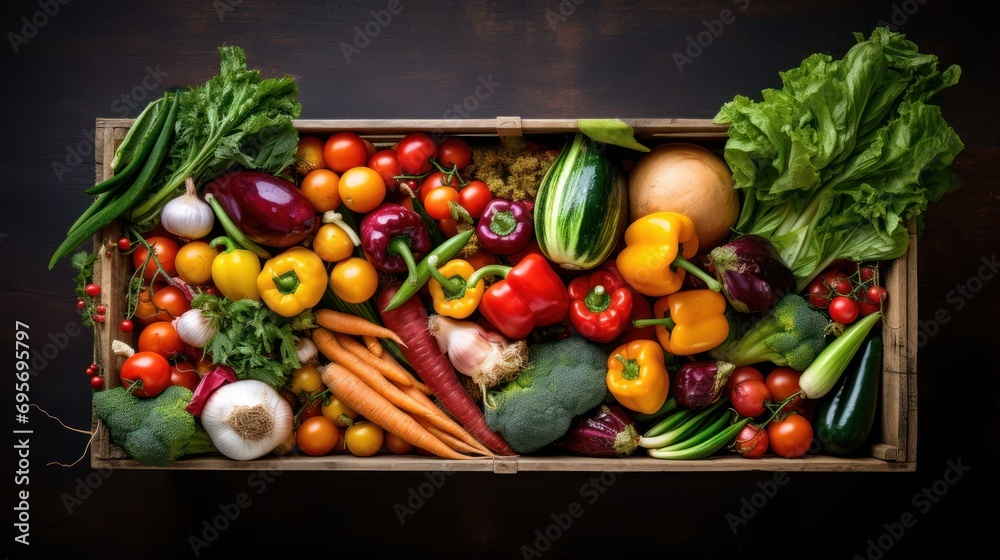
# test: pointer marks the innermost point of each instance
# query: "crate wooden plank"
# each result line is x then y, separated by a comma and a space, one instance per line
893, 448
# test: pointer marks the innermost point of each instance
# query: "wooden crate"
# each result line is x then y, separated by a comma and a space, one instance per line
895, 434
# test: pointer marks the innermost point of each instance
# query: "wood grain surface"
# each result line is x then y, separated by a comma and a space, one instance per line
67, 63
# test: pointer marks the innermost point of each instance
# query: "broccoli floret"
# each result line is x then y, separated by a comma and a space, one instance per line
153, 431
564, 379
792, 335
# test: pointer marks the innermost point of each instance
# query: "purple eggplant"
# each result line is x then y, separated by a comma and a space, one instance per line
610, 432
752, 273
698, 384
267, 209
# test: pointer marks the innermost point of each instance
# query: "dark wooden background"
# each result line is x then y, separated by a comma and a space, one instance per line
574, 58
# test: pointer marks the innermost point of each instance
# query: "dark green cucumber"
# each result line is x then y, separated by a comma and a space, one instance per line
581, 207
844, 419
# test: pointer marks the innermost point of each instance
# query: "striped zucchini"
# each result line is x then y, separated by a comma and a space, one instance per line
581, 208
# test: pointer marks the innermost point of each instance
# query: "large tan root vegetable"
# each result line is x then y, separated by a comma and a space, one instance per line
688, 179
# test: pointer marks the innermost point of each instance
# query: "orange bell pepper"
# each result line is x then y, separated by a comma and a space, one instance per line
637, 376
689, 322
655, 245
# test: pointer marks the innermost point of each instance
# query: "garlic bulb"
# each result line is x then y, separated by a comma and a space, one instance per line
187, 216
247, 419
194, 328
305, 350
487, 357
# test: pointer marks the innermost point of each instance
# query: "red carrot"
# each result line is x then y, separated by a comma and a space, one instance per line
409, 321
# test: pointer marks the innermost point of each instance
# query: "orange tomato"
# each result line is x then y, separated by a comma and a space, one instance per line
362, 189
322, 188
309, 155
332, 243
354, 280
161, 337
317, 435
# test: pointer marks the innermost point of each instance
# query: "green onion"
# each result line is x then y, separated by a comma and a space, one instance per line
823, 373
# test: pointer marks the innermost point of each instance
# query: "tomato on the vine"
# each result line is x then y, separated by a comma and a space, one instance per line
751, 442
150, 370
474, 197
739, 375
839, 283
92, 290
170, 303
454, 152
415, 151
790, 437
437, 202
316, 436
97, 382
783, 383
750, 397
876, 295
384, 162
185, 375
436, 180
844, 310
164, 251
344, 150
161, 337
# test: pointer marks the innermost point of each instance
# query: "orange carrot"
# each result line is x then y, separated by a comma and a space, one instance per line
327, 343
452, 441
373, 344
348, 323
392, 370
358, 395
413, 402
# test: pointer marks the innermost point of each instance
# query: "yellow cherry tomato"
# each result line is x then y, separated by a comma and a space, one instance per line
307, 380
194, 262
396, 444
364, 439
341, 414
354, 280
332, 243
362, 189
309, 155
322, 188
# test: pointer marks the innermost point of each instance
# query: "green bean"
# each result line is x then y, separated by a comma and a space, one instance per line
133, 194
148, 127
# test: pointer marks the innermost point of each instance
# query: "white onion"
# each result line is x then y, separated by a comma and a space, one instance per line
194, 328
247, 419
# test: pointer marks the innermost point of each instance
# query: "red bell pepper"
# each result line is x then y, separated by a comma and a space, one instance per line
600, 305
641, 309
530, 295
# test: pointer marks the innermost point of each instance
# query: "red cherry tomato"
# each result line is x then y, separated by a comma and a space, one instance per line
454, 152
844, 310
819, 293
750, 397
791, 437
126, 325
185, 375
97, 382
865, 309
783, 382
435, 180
474, 197
838, 282
92, 290
876, 295
148, 368
384, 162
344, 150
415, 151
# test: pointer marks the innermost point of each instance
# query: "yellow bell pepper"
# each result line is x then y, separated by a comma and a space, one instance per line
447, 285
689, 322
235, 270
655, 244
293, 281
638, 377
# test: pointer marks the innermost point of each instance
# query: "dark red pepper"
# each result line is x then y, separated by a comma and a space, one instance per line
600, 305
530, 295
393, 238
505, 227
641, 309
